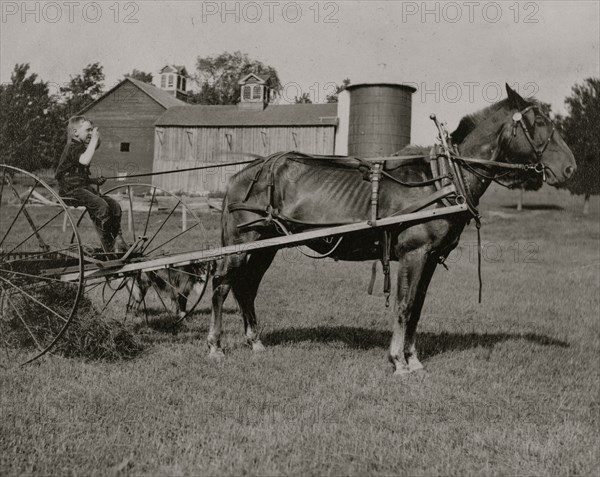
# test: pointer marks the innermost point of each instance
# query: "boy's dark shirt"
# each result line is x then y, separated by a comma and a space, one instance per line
70, 173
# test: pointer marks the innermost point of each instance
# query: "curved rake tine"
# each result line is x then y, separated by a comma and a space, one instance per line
161, 300
93, 286
33, 298
128, 307
171, 239
145, 310
111, 297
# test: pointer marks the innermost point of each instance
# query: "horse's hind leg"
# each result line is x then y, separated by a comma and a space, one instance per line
245, 282
221, 286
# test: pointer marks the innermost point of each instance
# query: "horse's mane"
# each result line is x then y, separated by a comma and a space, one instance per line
414, 150
469, 122
465, 127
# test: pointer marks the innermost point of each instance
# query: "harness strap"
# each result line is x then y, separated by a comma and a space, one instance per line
440, 170
375, 179
385, 262
486, 162
252, 182
447, 191
478, 226
373, 275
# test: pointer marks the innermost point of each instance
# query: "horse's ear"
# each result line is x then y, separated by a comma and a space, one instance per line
514, 99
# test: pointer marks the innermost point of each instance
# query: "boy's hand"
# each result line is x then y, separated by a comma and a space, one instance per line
95, 134
100, 180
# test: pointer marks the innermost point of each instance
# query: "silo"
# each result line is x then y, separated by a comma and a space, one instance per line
379, 122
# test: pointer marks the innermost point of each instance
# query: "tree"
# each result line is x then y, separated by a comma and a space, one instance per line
333, 97
83, 89
31, 127
218, 76
304, 99
140, 76
580, 131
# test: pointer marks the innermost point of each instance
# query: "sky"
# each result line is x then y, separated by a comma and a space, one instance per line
458, 54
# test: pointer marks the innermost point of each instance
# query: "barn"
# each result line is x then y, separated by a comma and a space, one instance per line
370, 119
126, 115
151, 128
191, 136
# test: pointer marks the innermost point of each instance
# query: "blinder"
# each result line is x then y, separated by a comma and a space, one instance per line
519, 120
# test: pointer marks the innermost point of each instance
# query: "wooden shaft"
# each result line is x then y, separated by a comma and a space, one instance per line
276, 242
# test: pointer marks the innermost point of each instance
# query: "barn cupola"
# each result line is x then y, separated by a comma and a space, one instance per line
173, 79
255, 91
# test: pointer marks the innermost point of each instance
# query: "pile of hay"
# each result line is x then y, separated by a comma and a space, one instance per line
89, 335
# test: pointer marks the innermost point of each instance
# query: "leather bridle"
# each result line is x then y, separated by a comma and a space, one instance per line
537, 166
519, 120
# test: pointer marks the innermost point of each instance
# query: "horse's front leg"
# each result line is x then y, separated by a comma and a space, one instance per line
410, 350
411, 267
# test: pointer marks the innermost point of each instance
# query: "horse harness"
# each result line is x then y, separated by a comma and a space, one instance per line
447, 168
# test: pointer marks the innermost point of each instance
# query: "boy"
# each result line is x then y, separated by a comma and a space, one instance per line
73, 175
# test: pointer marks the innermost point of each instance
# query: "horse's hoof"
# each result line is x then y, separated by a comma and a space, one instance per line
258, 347
402, 371
415, 365
216, 354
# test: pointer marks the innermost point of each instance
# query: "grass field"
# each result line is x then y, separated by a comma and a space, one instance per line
511, 386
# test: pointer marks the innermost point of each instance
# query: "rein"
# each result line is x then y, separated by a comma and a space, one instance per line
174, 171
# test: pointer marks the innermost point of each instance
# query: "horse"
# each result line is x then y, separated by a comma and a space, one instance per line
304, 193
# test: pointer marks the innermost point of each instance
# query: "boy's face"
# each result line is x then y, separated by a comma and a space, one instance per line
83, 132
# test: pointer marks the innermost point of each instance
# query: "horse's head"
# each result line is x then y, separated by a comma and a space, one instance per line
529, 136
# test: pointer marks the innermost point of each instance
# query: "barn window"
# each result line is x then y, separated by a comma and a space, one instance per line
179, 82
183, 85
170, 81
163, 81
257, 92
124, 147
247, 92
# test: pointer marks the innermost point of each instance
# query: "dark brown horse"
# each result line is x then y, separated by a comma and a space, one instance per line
308, 193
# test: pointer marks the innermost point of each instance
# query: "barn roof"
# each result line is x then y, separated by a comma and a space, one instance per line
233, 116
165, 99
162, 97
260, 78
175, 69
